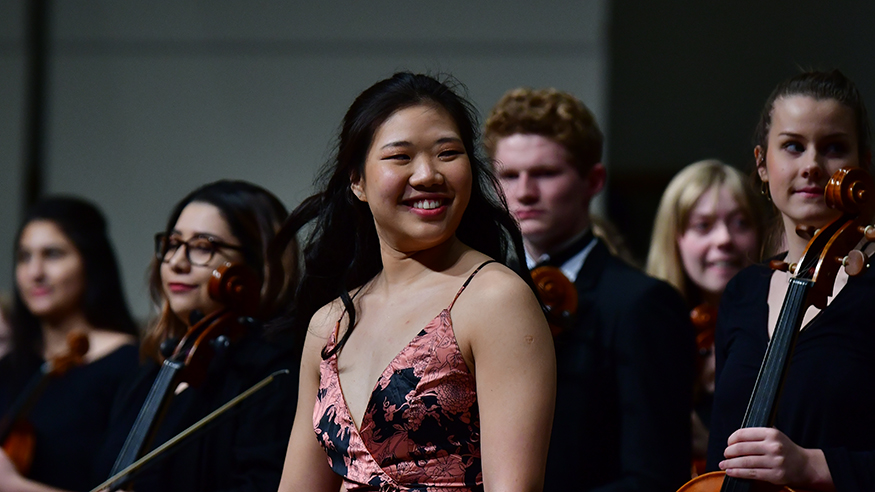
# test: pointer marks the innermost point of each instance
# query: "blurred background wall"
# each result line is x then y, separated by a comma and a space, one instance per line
146, 100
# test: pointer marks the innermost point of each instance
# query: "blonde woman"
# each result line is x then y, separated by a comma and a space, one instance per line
708, 227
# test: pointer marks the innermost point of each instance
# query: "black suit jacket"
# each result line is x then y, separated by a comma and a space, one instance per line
625, 378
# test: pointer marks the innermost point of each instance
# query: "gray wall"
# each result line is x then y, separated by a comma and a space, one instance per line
11, 130
149, 99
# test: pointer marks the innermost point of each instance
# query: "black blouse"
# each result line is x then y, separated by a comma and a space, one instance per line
829, 394
245, 451
70, 418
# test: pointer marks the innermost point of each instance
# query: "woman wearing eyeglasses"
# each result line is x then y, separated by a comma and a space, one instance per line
222, 222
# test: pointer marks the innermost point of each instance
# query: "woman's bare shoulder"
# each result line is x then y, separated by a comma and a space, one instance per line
496, 282
324, 320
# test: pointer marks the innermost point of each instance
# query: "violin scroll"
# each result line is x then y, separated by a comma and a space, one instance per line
77, 347
704, 318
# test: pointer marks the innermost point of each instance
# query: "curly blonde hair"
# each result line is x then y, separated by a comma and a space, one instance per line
550, 113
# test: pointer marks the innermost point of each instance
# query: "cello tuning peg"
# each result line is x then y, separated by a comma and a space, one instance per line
855, 263
782, 266
806, 232
869, 232
167, 347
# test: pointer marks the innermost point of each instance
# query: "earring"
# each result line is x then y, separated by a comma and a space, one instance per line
764, 190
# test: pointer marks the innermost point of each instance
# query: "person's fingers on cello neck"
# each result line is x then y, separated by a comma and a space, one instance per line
767, 454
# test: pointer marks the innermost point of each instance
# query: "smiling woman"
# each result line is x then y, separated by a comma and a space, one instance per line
66, 281
418, 146
406, 309
218, 223
708, 227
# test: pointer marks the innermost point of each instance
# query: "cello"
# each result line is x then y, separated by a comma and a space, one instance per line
237, 288
850, 191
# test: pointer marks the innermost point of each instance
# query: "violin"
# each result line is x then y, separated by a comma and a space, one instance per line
16, 432
850, 191
704, 320
238, 289
559, 297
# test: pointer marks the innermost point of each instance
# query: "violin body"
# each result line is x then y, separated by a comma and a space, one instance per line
16, 432
558, 295
713, 482
19, 446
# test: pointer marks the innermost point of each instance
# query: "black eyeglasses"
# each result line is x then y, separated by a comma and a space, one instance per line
199, 250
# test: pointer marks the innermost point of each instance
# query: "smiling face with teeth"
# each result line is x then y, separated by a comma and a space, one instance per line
416, 178
718, 240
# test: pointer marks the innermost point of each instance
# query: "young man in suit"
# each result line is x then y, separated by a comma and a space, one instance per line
625, 361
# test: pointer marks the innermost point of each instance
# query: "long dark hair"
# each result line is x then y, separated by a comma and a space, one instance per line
254, 215
342, 250
103, 302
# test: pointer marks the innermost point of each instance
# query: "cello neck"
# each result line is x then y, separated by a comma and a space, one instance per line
767, 389
770, 379
143, 431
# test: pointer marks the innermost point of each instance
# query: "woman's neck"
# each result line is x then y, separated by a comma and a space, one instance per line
795, 244
55, 333
402, 269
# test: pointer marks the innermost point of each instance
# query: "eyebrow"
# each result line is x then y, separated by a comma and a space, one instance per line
405, 143
798, 135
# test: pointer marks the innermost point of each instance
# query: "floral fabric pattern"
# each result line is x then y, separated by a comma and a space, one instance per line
421, 429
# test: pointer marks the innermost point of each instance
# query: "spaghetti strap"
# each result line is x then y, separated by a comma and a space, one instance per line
468, 281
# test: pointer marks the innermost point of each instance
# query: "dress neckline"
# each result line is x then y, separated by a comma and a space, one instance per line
436, 321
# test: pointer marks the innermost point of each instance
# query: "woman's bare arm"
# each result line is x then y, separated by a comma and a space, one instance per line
500, 320
306, 468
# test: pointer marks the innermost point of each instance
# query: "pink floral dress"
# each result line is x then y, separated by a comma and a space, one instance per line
421, 429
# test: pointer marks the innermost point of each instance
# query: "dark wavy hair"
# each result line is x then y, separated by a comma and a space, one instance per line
254, 216
103, 302
342, 250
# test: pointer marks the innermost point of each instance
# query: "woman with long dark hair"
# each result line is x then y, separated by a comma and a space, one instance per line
823, 436
218, 223
66, 281
404, 285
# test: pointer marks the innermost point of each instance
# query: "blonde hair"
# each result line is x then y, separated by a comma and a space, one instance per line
673, 215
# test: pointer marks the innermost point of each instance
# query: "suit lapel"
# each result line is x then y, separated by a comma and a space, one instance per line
589, 275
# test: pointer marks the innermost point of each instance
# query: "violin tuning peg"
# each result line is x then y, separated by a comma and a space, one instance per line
806, 232
779, 265
855, 263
